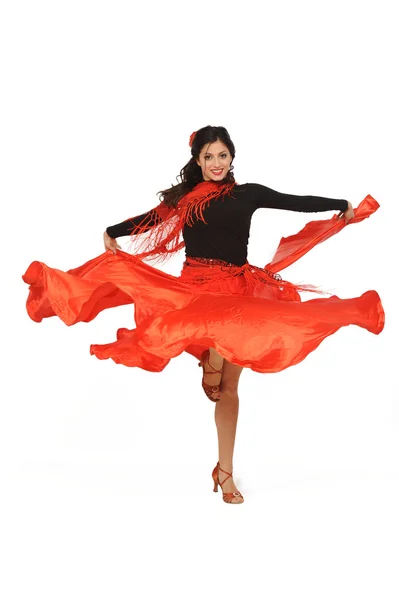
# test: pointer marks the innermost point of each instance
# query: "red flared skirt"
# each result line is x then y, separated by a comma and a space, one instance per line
250, 315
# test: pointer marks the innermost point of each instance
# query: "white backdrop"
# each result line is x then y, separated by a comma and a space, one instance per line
107, 469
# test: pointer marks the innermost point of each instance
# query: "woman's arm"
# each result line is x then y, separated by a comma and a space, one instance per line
145, 221
141, 222
265, 197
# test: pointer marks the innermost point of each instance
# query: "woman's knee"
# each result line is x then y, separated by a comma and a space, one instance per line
230, 378
229, 386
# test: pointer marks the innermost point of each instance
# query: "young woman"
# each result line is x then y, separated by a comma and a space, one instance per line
222, 310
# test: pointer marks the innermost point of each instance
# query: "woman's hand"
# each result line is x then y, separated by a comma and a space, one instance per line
348, 214
110, 243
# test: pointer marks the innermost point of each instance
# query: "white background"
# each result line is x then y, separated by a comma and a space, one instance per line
107, 469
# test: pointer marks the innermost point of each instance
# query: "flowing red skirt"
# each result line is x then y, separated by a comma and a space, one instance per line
249, 315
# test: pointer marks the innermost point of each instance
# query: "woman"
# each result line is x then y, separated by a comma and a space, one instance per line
222, 310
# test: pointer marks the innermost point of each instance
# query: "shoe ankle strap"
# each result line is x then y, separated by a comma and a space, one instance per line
227, 473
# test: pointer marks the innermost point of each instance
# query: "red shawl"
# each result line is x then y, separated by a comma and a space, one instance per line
164, 239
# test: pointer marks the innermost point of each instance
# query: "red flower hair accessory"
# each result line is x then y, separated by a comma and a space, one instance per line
192, 136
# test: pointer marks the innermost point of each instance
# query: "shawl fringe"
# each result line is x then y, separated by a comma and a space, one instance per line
163, 240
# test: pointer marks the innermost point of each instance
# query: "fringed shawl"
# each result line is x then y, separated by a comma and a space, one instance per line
163, 240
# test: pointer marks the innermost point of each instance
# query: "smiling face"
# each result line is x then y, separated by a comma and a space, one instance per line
214, 160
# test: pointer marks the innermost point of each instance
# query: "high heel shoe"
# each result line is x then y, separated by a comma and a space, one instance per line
227, 496
209, 389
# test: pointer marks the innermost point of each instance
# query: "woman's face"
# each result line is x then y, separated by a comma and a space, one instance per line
214, 160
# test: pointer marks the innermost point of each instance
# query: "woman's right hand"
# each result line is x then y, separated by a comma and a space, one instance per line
110, 243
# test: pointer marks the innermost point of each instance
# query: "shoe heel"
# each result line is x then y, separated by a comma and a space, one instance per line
215, 486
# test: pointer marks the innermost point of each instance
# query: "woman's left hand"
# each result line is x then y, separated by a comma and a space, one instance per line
348, 214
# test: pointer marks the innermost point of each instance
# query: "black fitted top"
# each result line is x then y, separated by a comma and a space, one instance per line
228, 218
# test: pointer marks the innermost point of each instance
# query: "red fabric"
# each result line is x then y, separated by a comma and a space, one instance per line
250, 316
292, 248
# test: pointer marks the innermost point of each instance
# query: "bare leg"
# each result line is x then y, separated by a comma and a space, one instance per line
226, 416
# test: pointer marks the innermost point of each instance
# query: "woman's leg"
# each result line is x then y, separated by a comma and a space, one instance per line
226, 416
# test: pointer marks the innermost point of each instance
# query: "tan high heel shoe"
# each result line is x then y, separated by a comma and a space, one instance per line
209, 389
227, 496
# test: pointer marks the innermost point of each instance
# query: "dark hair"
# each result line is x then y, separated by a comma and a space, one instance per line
191, 173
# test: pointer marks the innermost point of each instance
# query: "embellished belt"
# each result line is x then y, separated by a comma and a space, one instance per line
207, 261
198, 261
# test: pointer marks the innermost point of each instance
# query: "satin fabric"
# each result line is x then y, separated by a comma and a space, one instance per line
250, 315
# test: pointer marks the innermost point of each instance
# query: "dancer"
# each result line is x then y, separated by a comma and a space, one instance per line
227, 313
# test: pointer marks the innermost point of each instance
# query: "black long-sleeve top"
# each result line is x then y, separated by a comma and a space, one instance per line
225, 234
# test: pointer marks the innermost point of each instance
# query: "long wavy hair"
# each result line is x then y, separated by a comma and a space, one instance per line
191, 173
